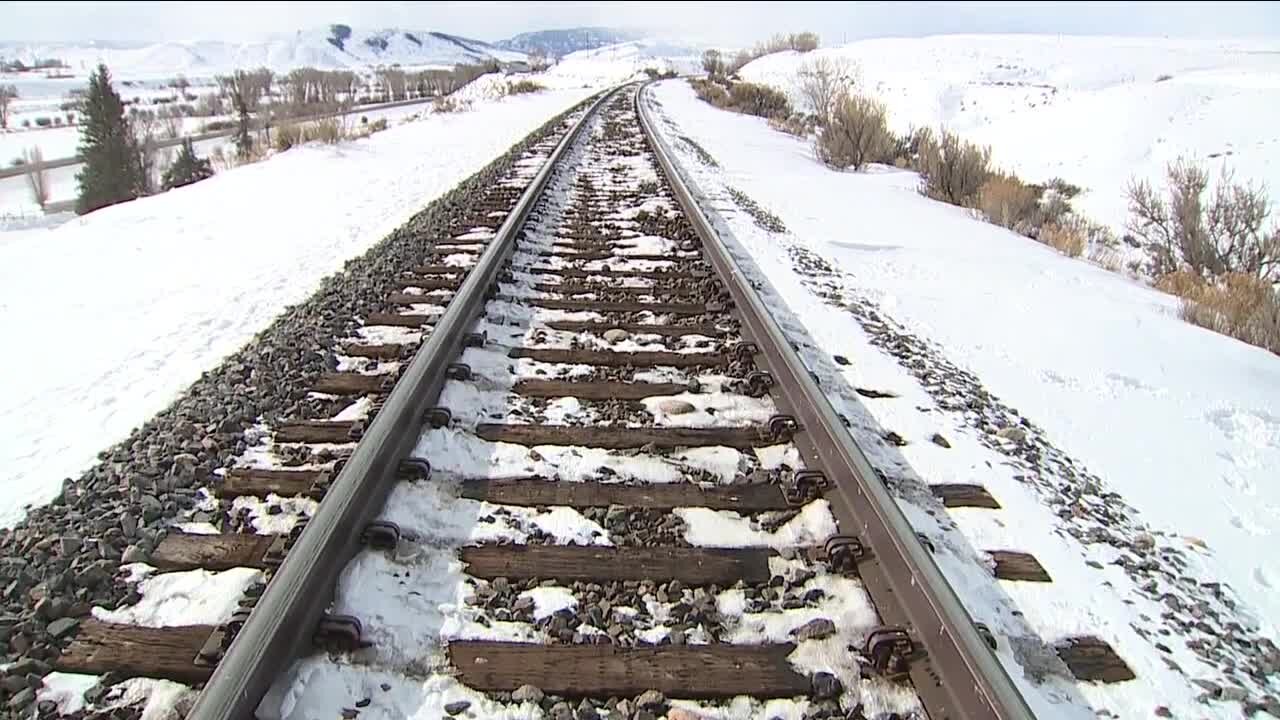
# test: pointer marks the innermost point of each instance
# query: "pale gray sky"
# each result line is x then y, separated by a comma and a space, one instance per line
723, 22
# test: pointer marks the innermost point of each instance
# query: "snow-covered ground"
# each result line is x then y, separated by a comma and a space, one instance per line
18, 206
1093, 110
130, 304
1183, 424
616, 63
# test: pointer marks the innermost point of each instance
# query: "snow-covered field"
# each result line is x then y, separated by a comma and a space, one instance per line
1093, 110
1181, 423
166, 286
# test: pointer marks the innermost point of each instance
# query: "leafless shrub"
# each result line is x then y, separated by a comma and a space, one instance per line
37, 176
760, 100
738, 62
858, 133
1239, 305
287, 136
822, 80
1008, 202
795, 124
328, 131
713, 63
7, 95
1224, 236
447, 105
710, 92
1066, 239
521, 87
953, 170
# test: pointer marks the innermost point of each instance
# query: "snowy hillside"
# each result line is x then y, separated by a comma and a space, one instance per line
616, 63
558, 43
335, 46
1093, 110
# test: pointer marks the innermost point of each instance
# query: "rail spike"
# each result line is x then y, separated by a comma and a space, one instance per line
340, 633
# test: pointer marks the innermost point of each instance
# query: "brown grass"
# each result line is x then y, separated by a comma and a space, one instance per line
1066, 239
1008, 202
1237, 305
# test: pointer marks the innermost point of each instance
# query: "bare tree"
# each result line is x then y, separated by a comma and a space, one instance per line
37, 176
823, 79
1224, 236
713, 63
7, 94
538, 60
858, 133
146, 126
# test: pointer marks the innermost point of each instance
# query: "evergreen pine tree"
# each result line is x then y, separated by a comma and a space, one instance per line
187, 168
111, 172
244, 142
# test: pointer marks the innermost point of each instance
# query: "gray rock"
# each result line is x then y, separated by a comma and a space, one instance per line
62, 627
671, 406
51, 608
651, 700
561, 711
94, 694
134, 554
129, 524
46, 707
13, 683
34, 681
527, 693
1144, 541
826, 686
815, 629
454, 708
625, 708
940, 441
1016, 434
523, 603
70, 545
1231, 693
614, 335
22, 699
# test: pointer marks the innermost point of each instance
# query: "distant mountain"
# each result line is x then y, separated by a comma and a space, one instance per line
558, 43
332, 47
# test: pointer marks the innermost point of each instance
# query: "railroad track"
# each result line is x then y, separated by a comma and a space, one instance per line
572, 463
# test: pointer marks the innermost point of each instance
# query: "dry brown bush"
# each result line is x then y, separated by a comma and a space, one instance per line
954, 170
286, 136
1238, 305
857, 134
797, 125
710, 92
522, 87
1008, 202
1066, 239
328, 131
760, 100
37, 176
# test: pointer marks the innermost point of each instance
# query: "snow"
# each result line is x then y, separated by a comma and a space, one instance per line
1179, 422
195, 597
168, 285
548, 601
67, 690
724, 528
1092, 110
613, 64
316, 47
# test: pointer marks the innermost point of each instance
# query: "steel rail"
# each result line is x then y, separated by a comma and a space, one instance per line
281, 625
958, 675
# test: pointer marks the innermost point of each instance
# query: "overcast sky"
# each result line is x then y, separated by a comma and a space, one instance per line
726, 22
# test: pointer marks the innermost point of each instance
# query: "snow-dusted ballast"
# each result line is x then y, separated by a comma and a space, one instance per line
574, 472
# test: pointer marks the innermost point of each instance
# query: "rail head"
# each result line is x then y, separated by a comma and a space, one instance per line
959, 676
279, 628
